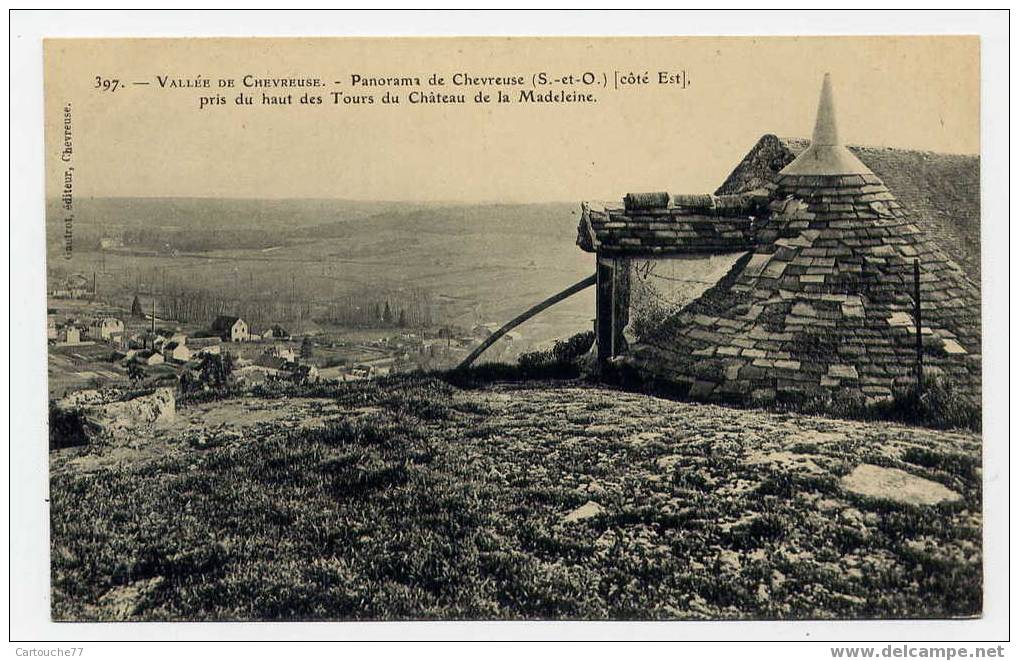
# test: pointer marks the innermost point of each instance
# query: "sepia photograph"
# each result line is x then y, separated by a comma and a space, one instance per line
531, 328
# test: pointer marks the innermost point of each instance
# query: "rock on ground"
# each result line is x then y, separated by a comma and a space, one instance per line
117, 418
588, 510
896, 485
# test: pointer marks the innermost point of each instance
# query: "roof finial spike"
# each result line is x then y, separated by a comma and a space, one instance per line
826, 129
826, 154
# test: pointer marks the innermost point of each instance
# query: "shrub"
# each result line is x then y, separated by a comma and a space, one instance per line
558, 362
560, 357
957, 464
759, 532
365, 431
939, 404
202, 395
837, 403
573, 348
66, 429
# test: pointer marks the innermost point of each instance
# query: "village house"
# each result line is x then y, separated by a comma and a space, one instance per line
302, 372
798, 276
230, 329
69, 334
200, 346
105, 328
166, 335
74, 286
275, 333
132, 341
282, 351
378, 366
149, 357
51, 327
176, 352
278, 366
360, 373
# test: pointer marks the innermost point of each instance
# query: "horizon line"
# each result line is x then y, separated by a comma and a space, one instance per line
326, 199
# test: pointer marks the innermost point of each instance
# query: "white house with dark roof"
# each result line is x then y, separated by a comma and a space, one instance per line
231, 329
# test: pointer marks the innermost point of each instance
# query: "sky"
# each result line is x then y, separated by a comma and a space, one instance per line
144, 140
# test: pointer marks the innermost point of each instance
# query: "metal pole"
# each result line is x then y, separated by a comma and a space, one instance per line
612, 343
919, 323
516, 321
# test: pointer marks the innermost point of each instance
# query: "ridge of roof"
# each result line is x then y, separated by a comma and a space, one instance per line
797, 144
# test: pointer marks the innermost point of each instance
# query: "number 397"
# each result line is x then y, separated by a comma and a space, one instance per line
106, 84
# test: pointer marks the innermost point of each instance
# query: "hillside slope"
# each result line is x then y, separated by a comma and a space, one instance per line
415, 499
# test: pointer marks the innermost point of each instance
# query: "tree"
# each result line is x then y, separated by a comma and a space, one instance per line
136, 307
306, 348
135, 372
402, 323
215, 371
387, 315
188, 382
209, 369
228, 366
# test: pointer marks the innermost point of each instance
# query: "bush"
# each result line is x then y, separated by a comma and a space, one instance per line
558, 362
759, 532
563, 353
569, 350
950, 462
66, 429
940, 404
837, 403
204, 395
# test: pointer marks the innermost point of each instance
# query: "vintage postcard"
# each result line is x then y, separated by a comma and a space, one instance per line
532, 328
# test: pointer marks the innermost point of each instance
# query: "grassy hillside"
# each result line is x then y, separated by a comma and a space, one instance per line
190, 220
414, 499
199, 212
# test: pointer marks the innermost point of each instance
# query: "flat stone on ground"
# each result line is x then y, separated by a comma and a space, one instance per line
785, 461
588, 510
896, 485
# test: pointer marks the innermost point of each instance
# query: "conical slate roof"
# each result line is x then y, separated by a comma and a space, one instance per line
825, 300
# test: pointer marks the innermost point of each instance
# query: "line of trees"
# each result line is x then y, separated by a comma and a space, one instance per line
357, 310
202, 306
197, 240
364, 310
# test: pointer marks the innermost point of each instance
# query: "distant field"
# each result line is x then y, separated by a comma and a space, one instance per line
476, 263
